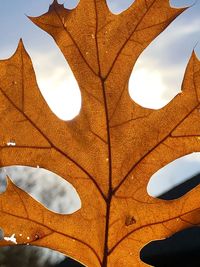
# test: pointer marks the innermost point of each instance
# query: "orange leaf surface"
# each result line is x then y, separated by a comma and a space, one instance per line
110, 150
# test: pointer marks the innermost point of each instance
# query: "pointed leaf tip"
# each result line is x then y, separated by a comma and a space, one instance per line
9, 184
19, 48
8, 181
20, 44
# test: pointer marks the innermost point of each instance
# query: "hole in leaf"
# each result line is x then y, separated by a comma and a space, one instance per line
181, 189
163, 63
118, 6
1, 234
70, 4
56, 82
69, 263
54, 76
176, 178
46, 187
32, 256
181, 249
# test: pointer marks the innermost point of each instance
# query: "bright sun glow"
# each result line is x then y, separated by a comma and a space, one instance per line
62, 95
146, 87
57, 82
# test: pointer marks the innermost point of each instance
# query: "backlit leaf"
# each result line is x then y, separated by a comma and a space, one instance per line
110, 150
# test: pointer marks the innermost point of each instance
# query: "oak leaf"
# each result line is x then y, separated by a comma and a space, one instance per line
110, 150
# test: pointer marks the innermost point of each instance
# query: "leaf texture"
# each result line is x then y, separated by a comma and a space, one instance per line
111, 149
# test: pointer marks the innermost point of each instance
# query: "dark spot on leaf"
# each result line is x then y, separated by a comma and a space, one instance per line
129, 220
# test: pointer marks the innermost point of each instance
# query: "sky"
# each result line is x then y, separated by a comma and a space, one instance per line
162, 64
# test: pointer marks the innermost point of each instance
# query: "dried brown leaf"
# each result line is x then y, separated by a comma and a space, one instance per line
110, 150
